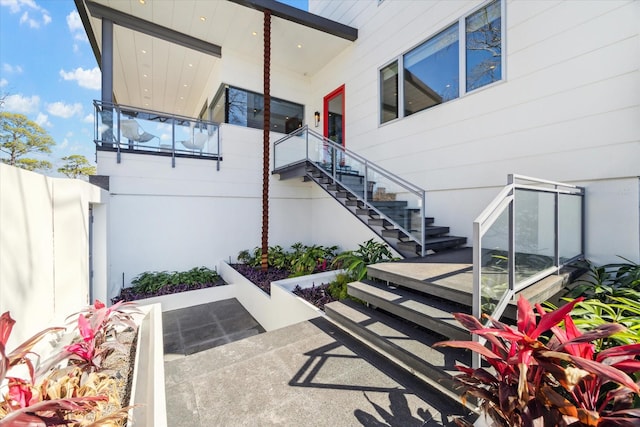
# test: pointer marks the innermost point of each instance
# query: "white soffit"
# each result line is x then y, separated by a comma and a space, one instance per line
176, 76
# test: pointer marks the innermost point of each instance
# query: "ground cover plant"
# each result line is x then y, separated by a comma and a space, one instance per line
70, 388
311, 259
549, 372
156, 283
299, 261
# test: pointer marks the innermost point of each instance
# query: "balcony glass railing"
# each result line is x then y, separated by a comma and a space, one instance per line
531, 230
127, 129
395, 199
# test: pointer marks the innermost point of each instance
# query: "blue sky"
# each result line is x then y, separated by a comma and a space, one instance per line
48, 71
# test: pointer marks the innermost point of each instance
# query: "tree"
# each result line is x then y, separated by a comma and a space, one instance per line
76, 165
20, 136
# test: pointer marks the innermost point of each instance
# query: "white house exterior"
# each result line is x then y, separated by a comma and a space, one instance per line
564, 106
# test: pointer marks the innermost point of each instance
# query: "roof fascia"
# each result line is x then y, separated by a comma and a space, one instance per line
302, 17
149, 28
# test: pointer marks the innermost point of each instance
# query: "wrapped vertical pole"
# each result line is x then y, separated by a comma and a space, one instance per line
265, 139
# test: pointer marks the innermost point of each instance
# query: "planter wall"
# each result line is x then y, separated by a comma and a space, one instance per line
281, 308
191, 298
147, 390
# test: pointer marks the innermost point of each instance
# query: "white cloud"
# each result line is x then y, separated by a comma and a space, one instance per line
43, 120
88, 118
74, 22
8, 68
64, 144
26, 6
90, 79
22, 104
60, 109
3, 82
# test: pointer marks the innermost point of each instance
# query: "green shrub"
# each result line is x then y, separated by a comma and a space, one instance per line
355, 262
152, 281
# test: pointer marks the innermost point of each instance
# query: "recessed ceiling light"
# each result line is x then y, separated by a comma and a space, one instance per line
203, 18
146, 104
182, 97
254, 33
143, 51
141, 1
146, 90
185, 85
145, 76
299, 46
190, 65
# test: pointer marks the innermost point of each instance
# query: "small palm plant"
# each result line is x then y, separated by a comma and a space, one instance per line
545, 374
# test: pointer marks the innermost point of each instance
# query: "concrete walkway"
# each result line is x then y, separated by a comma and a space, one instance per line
307, 374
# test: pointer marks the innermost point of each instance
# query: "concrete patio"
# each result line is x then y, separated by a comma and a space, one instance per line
310, 374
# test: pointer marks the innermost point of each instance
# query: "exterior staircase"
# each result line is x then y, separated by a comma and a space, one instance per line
392, 220
409, 305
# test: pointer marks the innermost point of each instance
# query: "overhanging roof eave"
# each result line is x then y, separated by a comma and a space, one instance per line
302, 17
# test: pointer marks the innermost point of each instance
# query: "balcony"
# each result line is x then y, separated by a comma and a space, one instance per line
125, 129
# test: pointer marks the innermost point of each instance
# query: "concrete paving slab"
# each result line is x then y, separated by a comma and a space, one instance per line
308, 374
201, 327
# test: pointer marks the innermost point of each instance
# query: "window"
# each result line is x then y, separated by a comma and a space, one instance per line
389, 92
445, 66
484, 47
431, 72
245, 108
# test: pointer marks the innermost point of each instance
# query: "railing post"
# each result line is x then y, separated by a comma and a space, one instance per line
218, 147
118, 158
557, 229
334, 158
476, 304
511, 264
366, 183
173, 143
306, 135
423, 218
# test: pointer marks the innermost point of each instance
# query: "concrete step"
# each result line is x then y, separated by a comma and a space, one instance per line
453, 280
430, 313
434, 243
434, 230
393, 233
402, 343
380, 222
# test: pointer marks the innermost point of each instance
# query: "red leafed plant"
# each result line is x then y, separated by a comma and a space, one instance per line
96, 325
548, 375
43, 394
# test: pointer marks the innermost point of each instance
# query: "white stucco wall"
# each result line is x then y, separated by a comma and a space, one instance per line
44, 248
164, 218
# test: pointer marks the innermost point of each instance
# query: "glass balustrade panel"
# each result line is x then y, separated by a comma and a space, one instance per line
396, 202
349, 171
106, 121
291, 150
319, 151
494, 263
534, 227
570, 225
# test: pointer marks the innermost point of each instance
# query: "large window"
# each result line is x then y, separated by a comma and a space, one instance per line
245, 108
468, 51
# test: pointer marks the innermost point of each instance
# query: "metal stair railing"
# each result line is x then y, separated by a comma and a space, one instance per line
339, 163
532, 229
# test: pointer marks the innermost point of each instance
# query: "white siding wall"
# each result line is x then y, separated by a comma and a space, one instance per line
568, 108
44, 248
